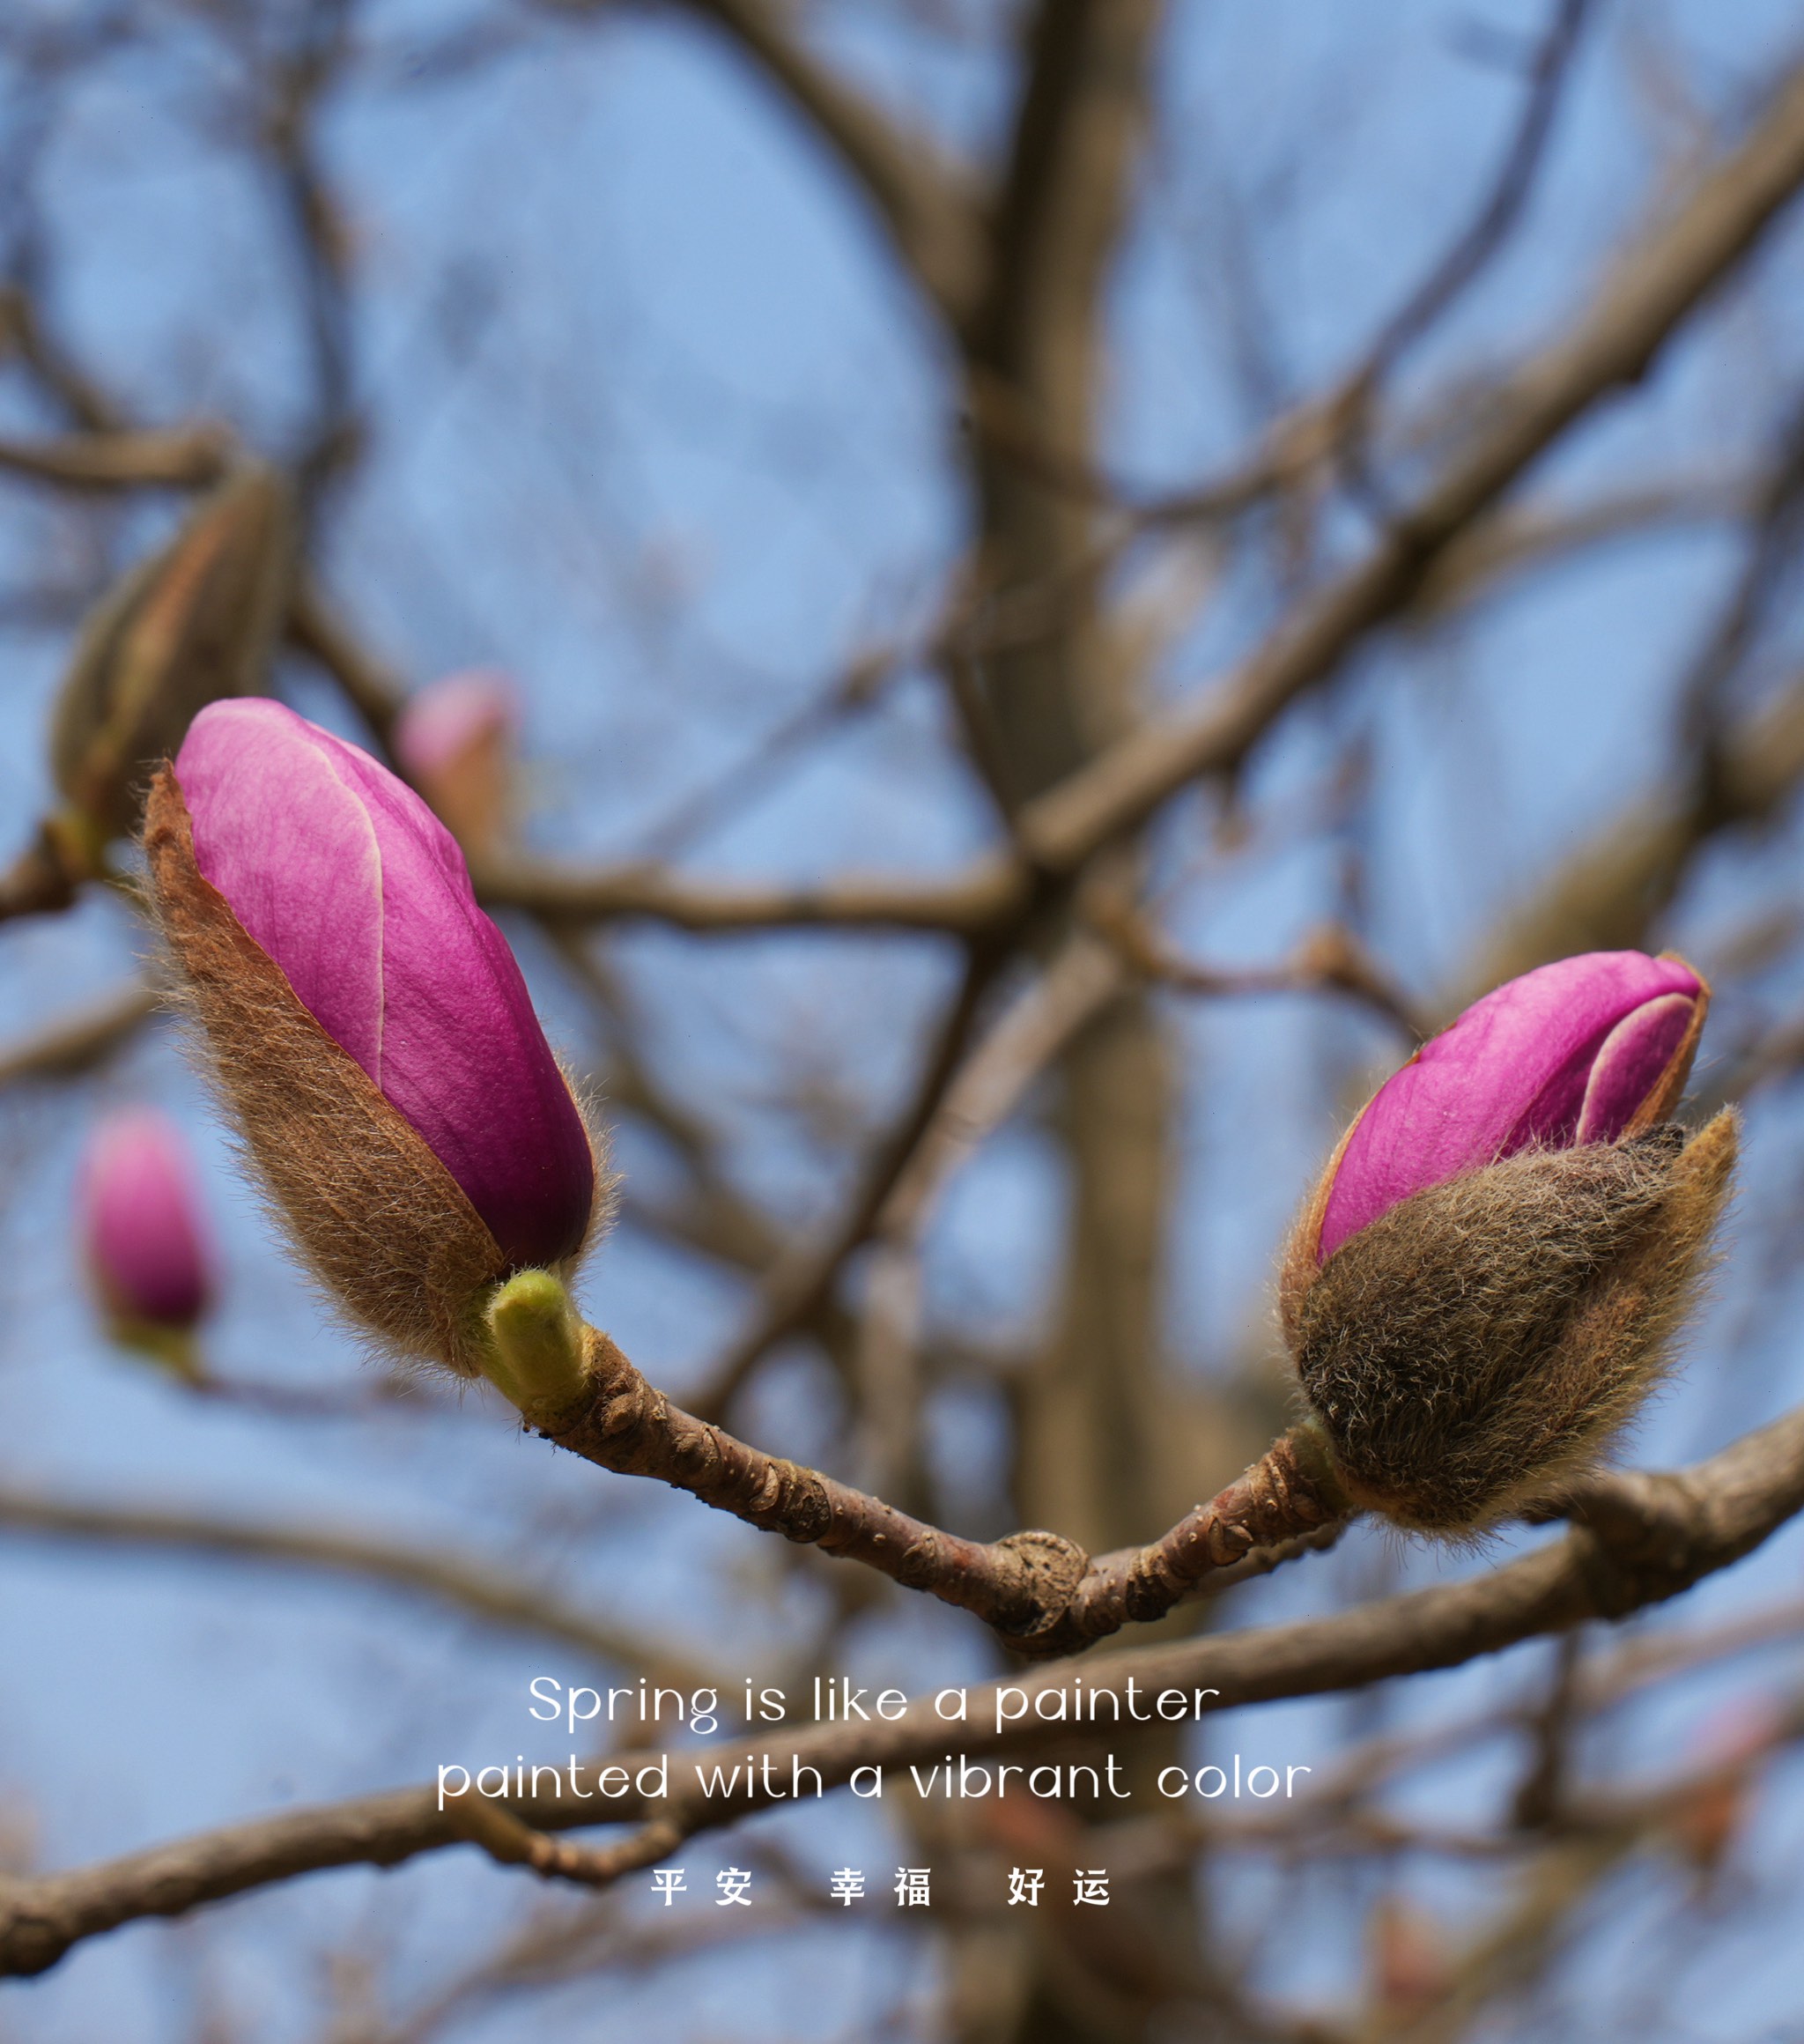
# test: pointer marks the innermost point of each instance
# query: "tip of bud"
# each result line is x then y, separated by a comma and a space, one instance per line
537, 1356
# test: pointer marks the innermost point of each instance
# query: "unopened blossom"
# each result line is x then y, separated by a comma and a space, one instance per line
141, 1224
454, 740
1482, 1288
369, 1022
195, 622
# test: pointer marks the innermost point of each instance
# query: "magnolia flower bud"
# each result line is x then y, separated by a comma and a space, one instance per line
454, 740
1481, 1288
194, 623
369, 1025
145, 1241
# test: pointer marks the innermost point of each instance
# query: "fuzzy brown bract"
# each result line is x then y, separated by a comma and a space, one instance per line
1486, 1340
194, 623
380, 1221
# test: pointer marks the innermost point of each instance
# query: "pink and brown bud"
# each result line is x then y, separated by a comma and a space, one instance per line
145, 1241
369, 1025
454, 740
194, 623
1479, 1290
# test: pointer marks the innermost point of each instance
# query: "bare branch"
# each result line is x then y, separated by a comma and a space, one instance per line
1646, 1538
967, 904
467, 1584
1039, 1590
1643, 301
38, 882
1330, 959
1479, 241
185, 458
78, 1041
1606, 895
1497, 551
1080, 982
929, 206
803, 1281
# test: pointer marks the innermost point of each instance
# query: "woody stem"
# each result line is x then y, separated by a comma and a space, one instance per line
1042, 1593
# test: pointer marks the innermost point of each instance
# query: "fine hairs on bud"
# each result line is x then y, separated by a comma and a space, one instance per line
381, 1223
1486, 1340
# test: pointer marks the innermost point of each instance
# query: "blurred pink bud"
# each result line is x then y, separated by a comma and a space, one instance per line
1586, 1050
1734, 1743
1412, 1968
454, 740
142, 1223
345, 878
446, 718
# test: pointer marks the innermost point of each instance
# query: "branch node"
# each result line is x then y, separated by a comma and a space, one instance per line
1047, 1569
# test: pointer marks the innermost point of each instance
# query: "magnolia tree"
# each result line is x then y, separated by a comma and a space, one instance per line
1106, 585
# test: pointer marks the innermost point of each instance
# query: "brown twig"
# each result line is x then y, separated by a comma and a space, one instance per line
1646, 297
967, 904
1656, 1536
1331, 959
464, 1582
1038, 1590
513, 1844
1077, 985
183, 458
803, 1279
929, 206
37, 883
78, 1041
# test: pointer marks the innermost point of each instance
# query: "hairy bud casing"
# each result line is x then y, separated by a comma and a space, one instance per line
1487, 1339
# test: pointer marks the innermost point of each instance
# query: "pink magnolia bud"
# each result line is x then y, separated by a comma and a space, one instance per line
141, 1223
1482, 1288
1586, 1050
368, 1021
1734, 1743
454, 740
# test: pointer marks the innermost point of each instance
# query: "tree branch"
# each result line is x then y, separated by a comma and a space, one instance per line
985, 896
467, 1584
967, 904
1041, 1592
1614, 342
928, 205
185, 458
1643, 1539
78, 1040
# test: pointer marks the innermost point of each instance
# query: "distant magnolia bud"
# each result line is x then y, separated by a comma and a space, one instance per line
1481, 1288
454, 740
1412, 1965
369, 1025
141, 1229
194, 623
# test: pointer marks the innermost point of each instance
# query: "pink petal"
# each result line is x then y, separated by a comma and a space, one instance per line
284, 834
1511, 1071
1629, 1066
427, 997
